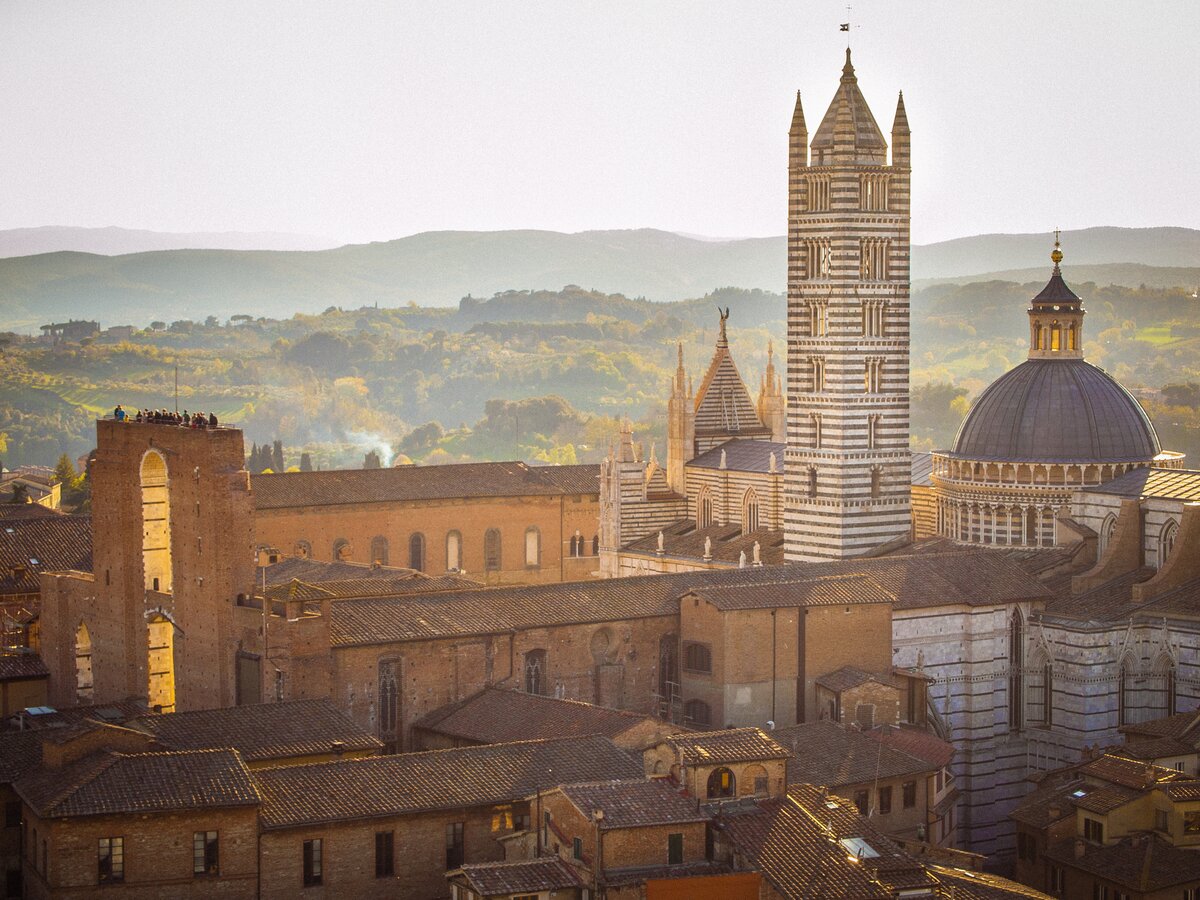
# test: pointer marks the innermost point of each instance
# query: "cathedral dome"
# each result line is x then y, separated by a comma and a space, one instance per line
1056, 410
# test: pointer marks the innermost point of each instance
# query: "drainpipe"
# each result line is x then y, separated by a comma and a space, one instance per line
773, 644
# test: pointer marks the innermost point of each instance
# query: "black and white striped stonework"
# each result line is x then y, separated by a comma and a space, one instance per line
847, 459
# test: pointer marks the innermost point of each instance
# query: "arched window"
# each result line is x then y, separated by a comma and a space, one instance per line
156, 523
536, 681
379, 550
1039, 692
389, 704
697, 657
453, 551
668, 667
704, 508
1016, 663
416, 552
750, 512
533, 547
1107, 530
1166, 541
812, 481
1125, 690
595, 545
1055, 337
696, 712
161, 663
342, 551
83, 665
1163, 702
721, 783
303, 550
876, 481
491, 550
577, 544
1072, 337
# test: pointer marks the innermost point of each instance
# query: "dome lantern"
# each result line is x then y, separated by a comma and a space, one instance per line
1056, 316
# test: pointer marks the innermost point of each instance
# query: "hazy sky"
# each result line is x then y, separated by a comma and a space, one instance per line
367, 120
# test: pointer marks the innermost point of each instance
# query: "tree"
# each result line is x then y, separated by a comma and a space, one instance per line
20, 493
277, 457
157, 326
65, 472
306, 462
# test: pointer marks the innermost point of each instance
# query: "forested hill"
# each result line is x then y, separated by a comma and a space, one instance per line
436, 269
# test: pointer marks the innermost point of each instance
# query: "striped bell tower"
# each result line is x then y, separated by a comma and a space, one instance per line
847, 458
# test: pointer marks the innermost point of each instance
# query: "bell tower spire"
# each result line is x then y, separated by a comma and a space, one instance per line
1056, 315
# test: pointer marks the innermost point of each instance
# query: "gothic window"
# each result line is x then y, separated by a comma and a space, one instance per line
1016, 663
668, 667
818, 193
697, 657
453, 551
156, 523
818, 374
533, 547
818, 318
697, 712
1166, 541
812, 481
872, 429
536, 681
303, 550
873, 376
491, 550
389, 704
1124, 691
750, 512
577, 544
1107, 530
816, 426
379, 550
876, 481
704, 508
1037, 335
416, 552
342, 551
1163, 703
595, 545
721, 783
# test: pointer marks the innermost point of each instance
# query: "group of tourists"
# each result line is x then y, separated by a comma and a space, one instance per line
166, 417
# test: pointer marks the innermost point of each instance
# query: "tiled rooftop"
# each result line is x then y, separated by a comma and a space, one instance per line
30, 545
493, 716
914, 742
683, 539
795, 841
1168, 484
1127, 772
115, 783
834, 590
848, 677
742, 455
970, 578
967, 884
21, 666
1142, 863
634, 804
922, 469
361, 486
728, 746
828, 753
437, 779
261, 731
529, 876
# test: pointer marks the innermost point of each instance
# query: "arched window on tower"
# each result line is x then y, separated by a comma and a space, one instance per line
156, 523
491, 550
416, 552
812, 481
576, 544
83, 665
1072, 337
1016, 665
1125, 698
750, 512
595, 545
1163, 701
1055, 337
1166, 541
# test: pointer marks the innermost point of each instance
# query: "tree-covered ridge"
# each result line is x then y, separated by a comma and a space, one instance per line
542, 375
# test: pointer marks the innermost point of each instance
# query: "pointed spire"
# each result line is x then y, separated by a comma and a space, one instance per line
900, 123
798, 124
1056, 255
680, 375
798, 136
848, 68
901, 136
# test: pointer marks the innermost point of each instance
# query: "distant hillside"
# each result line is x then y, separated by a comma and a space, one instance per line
113, 241
1124, 274
439, 268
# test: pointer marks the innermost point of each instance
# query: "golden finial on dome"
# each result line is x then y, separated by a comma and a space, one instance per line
1056, 255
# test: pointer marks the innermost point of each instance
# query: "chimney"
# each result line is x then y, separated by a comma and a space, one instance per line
338, 748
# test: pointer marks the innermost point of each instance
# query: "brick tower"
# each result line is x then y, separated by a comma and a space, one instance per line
847, 459
173, 524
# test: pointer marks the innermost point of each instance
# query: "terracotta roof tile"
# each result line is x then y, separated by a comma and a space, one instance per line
437, 779
833, 590
1143, 863
116, 783
361, 486
634, 804
683, 539
1179, 725
967, 884
848, 677
914, 742
828, 753
261, 731
796, 842
1133, 773
1105, 799
36, 544
730, 745
20, 752
1049, 803
528, 876
113, 713
493, 716
742, 455
22, 666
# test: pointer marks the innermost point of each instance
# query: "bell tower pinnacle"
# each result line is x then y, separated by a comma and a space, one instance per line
847, 458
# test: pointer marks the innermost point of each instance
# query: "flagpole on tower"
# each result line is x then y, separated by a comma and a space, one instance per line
845, 26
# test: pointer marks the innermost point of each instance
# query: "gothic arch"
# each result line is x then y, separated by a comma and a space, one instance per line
750, 520
1016, 666
704, 507
156, 522
391, 671
1107, 531
1126, 674
1166, 541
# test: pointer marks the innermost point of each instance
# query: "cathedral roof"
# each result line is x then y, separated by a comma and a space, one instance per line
849, 102
723, 403
742, 455
1056, 410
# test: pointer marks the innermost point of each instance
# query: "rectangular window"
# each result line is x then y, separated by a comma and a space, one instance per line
760, 784
910, 794
520, 821
861, 800
454, 845
205, 853
385, 854
1094, 831
313, 862
674, 849
110, 860
1057, 881
1191, 823
577, 848
885, 800
12, 814
1162, 820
